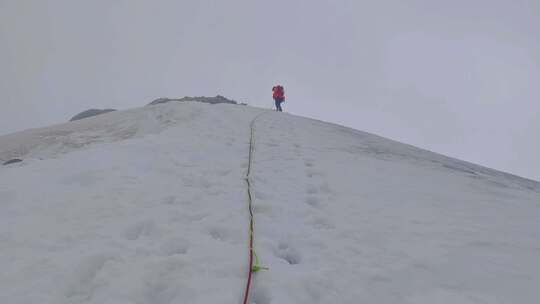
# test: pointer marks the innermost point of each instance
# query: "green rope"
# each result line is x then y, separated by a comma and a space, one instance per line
257, 266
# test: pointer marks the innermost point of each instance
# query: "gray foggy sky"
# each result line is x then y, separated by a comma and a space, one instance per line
457, 77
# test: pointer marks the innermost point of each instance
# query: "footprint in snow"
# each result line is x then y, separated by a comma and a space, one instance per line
84, 281
322, 224
325, 188
313, 173
143, 228
218, 233
316, 192
312, 189
288, 253
313, 201
169, 200
309, 163
160, 283
260, 295
174, 246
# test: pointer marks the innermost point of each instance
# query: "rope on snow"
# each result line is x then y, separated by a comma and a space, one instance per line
253, 267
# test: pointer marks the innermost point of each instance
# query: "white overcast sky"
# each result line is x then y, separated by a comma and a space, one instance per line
458, 77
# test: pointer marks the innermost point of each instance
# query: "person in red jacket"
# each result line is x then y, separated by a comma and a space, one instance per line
278, 93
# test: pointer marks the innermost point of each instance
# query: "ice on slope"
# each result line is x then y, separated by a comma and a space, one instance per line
149, 206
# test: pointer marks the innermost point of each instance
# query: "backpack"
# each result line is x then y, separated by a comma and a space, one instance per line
279, 92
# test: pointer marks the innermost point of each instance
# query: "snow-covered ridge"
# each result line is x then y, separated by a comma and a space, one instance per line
49, 141
383, 148
149, 206
109, 127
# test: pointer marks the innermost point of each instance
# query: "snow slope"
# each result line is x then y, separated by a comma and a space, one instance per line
150, 206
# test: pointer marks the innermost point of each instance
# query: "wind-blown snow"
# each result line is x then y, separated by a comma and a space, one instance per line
150, 206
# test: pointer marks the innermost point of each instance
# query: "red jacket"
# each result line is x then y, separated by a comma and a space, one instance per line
278, 92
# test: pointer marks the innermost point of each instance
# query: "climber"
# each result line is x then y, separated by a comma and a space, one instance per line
279, 96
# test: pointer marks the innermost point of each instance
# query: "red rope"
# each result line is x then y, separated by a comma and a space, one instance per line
250, 271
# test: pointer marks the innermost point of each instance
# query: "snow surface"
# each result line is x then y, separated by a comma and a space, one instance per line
150, 206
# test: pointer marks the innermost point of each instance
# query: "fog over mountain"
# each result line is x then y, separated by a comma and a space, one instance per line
456, 77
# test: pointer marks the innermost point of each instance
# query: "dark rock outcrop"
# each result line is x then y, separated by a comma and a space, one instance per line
90, 113
211, 100
12, 161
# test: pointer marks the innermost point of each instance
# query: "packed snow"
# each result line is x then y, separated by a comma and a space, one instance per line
149, 205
